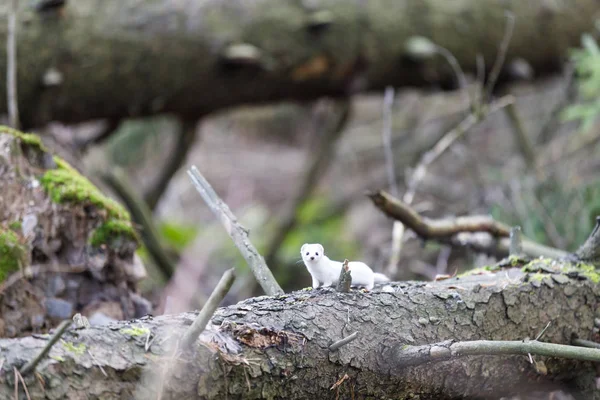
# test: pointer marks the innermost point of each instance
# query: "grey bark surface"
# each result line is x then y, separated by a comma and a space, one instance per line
112, 58
277, 347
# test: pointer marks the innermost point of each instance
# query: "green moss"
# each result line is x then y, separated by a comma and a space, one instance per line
135, 331
12, 253
478, 271
66, 185
111, 231
30, 139
589, 271
78, 349
538, 276
15, 226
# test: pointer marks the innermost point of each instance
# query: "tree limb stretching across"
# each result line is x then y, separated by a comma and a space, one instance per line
446, 229
114, 59
279, 347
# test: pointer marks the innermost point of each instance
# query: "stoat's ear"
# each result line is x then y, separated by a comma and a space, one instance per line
322, 249
302, 248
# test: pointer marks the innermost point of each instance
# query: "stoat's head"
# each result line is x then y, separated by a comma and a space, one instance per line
312, 253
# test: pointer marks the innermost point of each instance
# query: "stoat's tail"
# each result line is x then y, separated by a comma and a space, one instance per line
380, 278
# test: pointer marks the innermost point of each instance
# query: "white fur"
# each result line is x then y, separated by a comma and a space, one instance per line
326, 272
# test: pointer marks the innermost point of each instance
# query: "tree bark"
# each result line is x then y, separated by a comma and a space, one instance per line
278, 347
90, 59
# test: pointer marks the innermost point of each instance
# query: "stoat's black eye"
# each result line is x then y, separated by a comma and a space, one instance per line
316, 254
307, 253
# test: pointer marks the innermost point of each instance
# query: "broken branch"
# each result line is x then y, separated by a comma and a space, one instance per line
209, 308
237, 232
446, 229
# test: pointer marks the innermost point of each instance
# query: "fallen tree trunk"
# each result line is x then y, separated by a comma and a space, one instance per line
278, 347
87, 59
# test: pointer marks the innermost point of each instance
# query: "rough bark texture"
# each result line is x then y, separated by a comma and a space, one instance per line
113, 58
277, 348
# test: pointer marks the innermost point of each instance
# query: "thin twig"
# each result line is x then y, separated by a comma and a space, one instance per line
342, 342
30, 366
388, 102
524, 143
97, 363
185, 138
458, 72
501, 56
20, 377
539, 336
209, 308
417, 355
398, 229
237, 232
11, 66
446, 141
590, 249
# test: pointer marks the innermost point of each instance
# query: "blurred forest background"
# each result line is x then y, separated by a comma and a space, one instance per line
533, 163
296, 112
296, 171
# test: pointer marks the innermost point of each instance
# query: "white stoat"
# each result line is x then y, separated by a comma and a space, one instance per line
326, 272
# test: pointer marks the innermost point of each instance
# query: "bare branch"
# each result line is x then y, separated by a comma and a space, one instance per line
501, 56
30, 366
586, 343
524, 143
342, 342
458, 72
185, 138
237, 232
208, 309
445, 230
446, 141
436, 228
398, 229
590, 250
11, 66
417, 355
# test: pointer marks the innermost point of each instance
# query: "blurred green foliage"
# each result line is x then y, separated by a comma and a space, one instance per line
177, 235
587, 66
135, 139
571, 212
329, 232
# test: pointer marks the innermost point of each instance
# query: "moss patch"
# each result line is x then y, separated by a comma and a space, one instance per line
28, 139
12, 253
111, 232
78, 349
478, 271
66, 185
589, 271
15, 226
135, 331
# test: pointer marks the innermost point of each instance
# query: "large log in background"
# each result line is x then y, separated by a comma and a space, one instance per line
112, 59
277, 348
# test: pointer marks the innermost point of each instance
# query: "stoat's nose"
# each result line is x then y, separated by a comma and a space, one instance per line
312, 258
